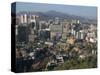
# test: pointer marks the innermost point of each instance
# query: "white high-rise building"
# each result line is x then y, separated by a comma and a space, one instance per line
79, 35
57, 21
78, 21
34, 19
76, 35
23, 18
16, 30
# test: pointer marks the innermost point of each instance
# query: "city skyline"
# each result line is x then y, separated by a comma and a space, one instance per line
53, 40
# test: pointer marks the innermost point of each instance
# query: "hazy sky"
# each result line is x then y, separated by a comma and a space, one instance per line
86, 11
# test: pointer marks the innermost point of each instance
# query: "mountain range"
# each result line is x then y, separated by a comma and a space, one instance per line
52, 14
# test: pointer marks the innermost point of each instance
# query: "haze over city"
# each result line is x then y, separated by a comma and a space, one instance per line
83, 11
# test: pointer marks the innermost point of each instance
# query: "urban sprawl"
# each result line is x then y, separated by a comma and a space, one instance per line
54, 44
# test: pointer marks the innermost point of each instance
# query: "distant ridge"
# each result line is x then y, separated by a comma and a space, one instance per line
52, 14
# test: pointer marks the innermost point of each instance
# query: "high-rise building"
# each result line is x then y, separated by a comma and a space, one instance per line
44, 34
16, 30
42, 25
56, 31
66, 26
80, 35
23, 33
75, 21
34, 20
57, 21
23, 18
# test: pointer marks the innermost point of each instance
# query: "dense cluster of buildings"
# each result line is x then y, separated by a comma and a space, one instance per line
31, 27
33, 33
